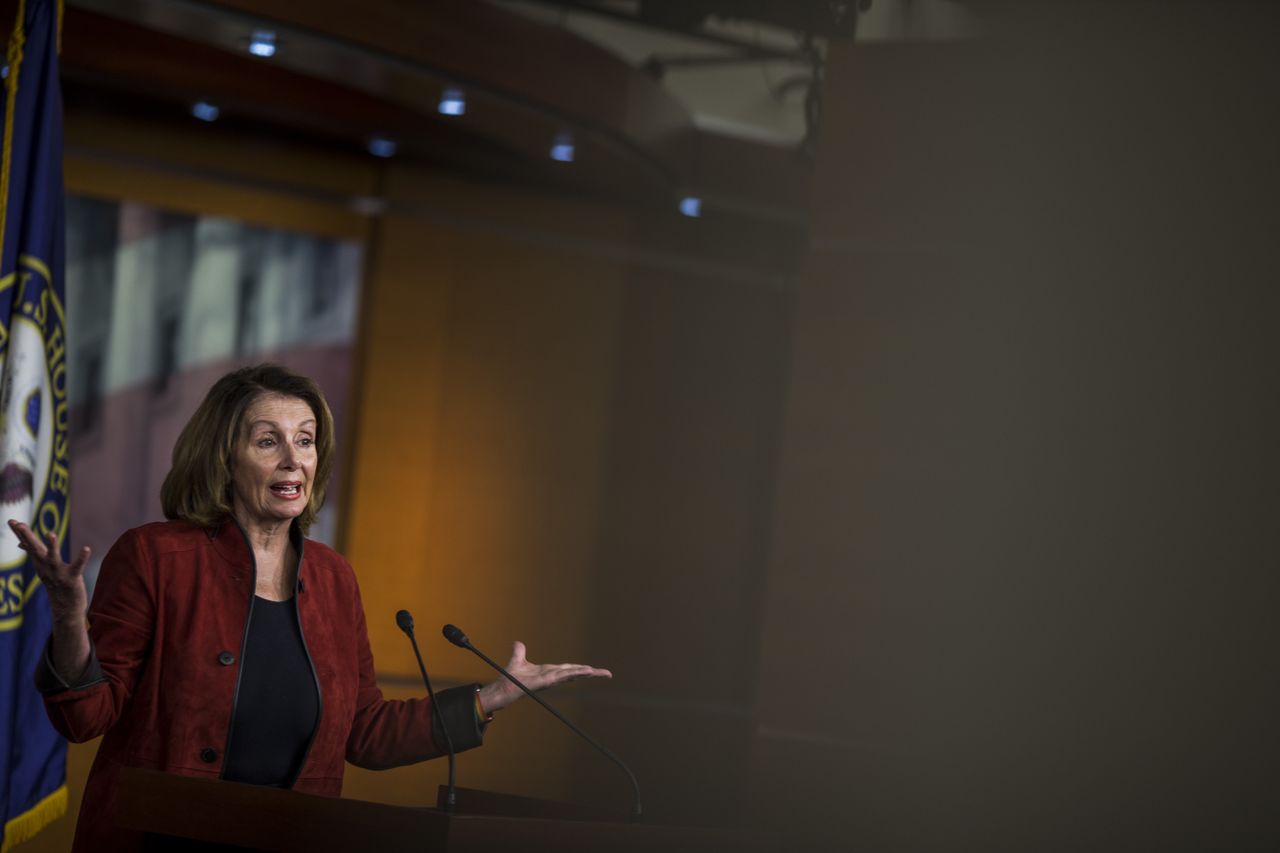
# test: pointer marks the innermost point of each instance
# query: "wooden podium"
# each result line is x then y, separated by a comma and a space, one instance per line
184, 813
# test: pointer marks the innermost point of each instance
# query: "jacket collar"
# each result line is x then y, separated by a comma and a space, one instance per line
232, 542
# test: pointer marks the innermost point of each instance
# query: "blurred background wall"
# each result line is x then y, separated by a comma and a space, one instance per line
936, 518
1025, 512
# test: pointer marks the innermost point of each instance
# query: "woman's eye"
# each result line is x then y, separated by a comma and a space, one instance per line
306, 441
266, 442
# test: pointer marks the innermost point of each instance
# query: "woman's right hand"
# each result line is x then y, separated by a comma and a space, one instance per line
70, 649
64, 582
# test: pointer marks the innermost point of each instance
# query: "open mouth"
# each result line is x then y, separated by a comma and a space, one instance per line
287, 490
15, 483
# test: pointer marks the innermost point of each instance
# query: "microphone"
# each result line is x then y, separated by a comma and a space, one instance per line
405, 621
454, 634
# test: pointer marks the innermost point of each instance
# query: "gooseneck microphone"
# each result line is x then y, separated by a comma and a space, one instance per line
454, 634
405, 621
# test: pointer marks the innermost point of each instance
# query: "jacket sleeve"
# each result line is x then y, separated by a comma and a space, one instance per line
390, 732
121, 628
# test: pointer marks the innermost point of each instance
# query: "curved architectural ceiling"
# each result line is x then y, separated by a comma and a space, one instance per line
348, 73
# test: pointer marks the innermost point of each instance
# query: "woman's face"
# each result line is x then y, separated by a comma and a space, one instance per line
273, 461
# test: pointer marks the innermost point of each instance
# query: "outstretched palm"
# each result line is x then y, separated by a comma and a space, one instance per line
535, 676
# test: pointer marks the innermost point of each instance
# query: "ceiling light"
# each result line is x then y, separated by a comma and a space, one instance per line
562, 150
691, 206
453, 102
380, 146
263, 43
205, 111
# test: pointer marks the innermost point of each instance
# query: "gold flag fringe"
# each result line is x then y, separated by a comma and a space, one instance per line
26, 825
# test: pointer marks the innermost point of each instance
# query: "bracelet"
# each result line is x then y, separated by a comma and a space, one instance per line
481, 714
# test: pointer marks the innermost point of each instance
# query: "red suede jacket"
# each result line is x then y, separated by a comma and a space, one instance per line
168, 620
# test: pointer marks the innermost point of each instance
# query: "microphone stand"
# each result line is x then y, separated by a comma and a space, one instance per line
405, 621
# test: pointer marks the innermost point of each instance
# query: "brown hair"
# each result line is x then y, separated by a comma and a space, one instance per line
198, 486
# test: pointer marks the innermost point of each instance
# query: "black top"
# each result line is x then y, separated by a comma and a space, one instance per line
277, 706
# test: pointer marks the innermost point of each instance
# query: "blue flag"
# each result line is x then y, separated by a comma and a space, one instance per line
33, 411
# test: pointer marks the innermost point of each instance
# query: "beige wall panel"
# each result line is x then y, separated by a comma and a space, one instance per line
517, 480
396, 431
486, 365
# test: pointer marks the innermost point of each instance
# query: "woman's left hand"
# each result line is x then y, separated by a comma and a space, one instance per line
536, 676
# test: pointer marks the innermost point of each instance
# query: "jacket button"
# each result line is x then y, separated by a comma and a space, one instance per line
226, 658
208, 755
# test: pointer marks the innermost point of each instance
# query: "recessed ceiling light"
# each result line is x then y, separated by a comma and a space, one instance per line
562, 150
263, 43
453, 102
205, 111
380, 146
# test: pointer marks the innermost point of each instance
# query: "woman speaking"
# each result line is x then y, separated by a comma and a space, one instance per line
222, 643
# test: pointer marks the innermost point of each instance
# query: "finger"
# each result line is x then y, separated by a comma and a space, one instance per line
24, 534
53, 554
518, 652
27, 539
82, 559
561, 673
582, 669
